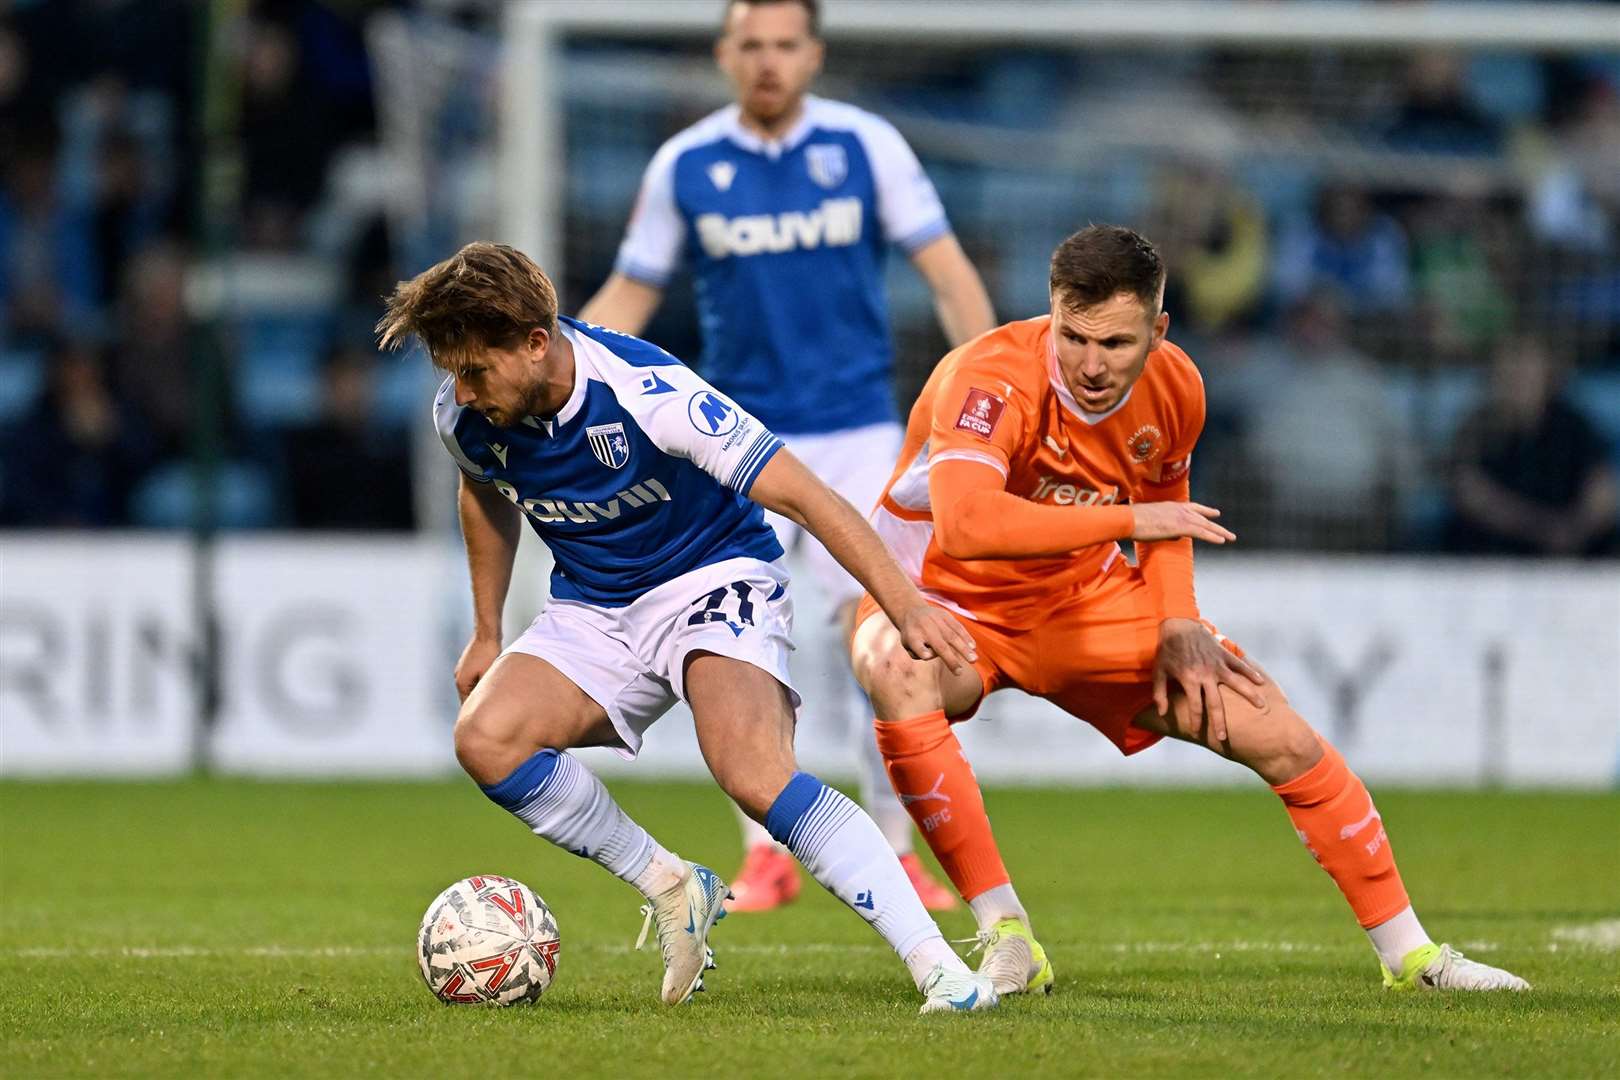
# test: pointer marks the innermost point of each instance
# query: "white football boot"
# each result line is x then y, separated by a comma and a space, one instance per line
684, 913
1440, 967
957, 991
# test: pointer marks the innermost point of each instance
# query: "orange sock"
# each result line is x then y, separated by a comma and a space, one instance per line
1336, 819
937, 786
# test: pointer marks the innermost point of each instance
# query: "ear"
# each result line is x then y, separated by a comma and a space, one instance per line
818, 54
1161, 326
538, 343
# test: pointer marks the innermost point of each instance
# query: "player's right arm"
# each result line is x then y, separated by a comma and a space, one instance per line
623, 304
490, 525
976, 517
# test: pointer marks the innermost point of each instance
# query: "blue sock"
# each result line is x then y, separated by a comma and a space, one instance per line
563, 801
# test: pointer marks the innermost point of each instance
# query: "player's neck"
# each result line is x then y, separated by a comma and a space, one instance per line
557, 384
776, 127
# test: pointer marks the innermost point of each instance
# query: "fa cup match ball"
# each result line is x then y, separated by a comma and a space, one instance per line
488, 940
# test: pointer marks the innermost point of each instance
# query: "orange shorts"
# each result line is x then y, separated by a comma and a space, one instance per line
1092, 656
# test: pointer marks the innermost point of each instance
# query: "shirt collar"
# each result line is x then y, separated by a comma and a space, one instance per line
771, 148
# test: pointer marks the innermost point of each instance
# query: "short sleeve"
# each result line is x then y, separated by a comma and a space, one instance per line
908, 206
652, 244
976, 417
686, 417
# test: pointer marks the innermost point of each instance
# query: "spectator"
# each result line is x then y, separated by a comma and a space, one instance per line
1531, 476
46, 275
1461, 301
1328, 448
1348, 246
326, 458
1213, 234
73, 461
1436, 115
153, 355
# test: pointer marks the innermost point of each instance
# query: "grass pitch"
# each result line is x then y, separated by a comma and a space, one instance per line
228, 928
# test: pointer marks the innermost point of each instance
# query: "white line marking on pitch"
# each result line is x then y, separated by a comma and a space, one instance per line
1603, 934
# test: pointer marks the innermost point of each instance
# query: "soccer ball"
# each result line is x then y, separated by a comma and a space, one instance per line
488, 940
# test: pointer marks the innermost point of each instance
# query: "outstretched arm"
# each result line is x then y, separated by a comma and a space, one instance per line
975, 517
786, 486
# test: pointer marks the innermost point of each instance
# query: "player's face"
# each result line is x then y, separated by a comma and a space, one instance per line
1102, 349
769, 56
504, 384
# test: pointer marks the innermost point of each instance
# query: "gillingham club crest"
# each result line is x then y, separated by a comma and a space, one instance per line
609, 444
828, 164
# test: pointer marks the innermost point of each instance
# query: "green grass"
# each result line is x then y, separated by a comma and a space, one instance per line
216, 928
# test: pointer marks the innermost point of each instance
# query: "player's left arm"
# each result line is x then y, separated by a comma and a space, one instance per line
1188, 653
787, 487
913, 218
960, 298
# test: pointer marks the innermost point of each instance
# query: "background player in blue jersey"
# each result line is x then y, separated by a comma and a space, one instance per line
784, 206
638, 476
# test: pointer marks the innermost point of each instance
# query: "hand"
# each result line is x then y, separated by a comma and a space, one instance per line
929, 633
1174, 520
475, 660
1189, 654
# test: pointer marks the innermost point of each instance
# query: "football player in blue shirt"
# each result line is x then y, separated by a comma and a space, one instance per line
646, 484
784, 206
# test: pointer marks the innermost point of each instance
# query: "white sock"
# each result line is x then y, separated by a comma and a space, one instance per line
933, 953
993, 905
1396, 937
563, 801
753, 833
877, 794
844, 850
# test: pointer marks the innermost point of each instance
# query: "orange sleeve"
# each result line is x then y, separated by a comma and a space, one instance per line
975, 517
1167, 565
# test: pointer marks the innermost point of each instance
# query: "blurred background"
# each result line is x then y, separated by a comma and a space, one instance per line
1393, 233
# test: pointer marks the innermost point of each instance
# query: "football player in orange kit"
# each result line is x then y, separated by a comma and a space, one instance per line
1032, 451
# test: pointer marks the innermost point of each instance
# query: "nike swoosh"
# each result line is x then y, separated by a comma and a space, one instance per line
691, 923
967, 1002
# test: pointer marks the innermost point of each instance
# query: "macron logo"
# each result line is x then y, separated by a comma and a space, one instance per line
835, 223
500, 453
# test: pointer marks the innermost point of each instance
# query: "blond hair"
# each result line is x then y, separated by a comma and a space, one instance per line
484, 296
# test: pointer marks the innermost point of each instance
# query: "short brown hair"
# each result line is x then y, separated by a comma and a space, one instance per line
484, 296
812, 8
1101, 261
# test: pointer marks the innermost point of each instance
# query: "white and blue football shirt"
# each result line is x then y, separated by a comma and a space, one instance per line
640, 477
787, 240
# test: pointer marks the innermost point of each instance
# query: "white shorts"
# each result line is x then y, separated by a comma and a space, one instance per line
630, 659
856, 464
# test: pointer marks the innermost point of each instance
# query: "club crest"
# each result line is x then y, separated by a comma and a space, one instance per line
828, 164
609, 444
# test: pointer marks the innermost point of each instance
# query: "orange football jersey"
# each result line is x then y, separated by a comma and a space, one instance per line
1001, 400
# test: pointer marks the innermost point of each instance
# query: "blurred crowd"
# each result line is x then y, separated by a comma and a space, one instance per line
1400, 275
126, 315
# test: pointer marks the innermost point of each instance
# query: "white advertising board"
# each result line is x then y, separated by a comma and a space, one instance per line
335, 658
97, 650
337, 653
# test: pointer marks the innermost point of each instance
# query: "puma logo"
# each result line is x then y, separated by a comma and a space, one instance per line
931, 793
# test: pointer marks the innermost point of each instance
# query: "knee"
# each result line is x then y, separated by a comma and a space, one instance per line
486, 755
756, 792
889, 674
1277, 743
